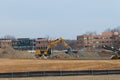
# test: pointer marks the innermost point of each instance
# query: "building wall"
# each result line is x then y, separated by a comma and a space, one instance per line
23, 44
83, 41
94, 41
41, 43
116, 41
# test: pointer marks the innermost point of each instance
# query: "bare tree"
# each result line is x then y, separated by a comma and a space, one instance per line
9, 37
108, 30
90, 33
117, 29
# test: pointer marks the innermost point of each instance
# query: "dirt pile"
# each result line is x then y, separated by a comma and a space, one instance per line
15, 54
106, 53
11, 53
63, 55
80, 55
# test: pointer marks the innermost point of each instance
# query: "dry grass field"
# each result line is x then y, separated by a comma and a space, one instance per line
22, 65
100, 77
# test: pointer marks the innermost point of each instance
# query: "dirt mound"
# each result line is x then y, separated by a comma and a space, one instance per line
15, 54
106, 53
63, 56
80, 55
11, 53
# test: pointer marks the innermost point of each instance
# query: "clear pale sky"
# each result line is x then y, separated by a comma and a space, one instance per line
57, 18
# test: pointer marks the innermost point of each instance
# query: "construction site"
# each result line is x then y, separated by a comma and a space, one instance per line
59, 40
41, 56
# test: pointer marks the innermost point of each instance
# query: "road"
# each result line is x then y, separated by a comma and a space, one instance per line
58, 73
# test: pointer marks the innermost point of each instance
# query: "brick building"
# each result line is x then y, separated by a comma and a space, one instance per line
5, 43
95, 41
116, 40
41, 43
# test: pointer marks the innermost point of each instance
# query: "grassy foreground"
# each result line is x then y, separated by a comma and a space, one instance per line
23, 65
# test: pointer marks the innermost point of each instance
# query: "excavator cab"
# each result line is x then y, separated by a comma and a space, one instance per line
48, 53
40, 53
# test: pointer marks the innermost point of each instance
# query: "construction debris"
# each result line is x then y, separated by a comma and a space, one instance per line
84, 55
9, 52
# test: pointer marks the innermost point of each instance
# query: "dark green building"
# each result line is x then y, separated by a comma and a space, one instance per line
23, 44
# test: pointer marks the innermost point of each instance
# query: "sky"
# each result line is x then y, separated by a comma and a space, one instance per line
57, 18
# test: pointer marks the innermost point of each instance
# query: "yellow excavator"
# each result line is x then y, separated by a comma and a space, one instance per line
47, 52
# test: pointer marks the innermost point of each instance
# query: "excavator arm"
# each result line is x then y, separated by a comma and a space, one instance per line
55, 42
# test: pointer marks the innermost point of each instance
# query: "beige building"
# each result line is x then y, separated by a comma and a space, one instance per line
95, 41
